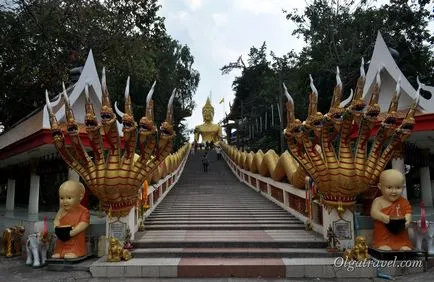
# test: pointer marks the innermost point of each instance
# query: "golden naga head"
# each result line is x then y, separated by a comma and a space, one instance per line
294, 127
358, 103
146, 124
71, 124
314, 119
90, 117
336, 112
115, 174
208, 111
166, 127
128, 122
390, 121
342, 169
108, 117
373, 109
56, 131
409, 122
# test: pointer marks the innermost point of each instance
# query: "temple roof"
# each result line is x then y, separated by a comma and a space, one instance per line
389, 75
30, 133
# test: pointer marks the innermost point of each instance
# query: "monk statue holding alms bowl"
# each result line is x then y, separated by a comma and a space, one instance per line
391, 213
71, 221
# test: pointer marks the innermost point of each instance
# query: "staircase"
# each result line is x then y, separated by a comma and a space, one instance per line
215, 226
211, 225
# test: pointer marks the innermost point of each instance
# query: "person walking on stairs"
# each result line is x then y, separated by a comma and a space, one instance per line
205, 162
218, 150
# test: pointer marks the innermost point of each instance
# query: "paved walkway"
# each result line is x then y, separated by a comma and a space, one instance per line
164, 229
14, 269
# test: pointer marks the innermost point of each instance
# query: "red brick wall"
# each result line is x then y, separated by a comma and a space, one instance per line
277, 193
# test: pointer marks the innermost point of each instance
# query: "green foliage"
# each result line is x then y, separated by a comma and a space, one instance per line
258, 87
265, 141
40, 40
340, 33
337, 33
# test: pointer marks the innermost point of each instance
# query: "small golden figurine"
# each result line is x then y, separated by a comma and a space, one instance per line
141, 225
332, 240
128, 245
116, 252
308, 225
12, 241
359, 252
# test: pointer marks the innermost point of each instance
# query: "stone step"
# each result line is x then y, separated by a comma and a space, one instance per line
192, 220
175, 238
253, 226
307, 244
221, 222
231, 252
218, 211
189, 192
230, 268
234, 206
218, 216
211, 207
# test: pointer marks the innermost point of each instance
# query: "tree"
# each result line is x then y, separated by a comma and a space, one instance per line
340, 33
40, 40
258, 87
337, 33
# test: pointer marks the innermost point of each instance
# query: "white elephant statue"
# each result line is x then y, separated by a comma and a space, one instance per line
38, 243
37, 247
424, 232
423, 229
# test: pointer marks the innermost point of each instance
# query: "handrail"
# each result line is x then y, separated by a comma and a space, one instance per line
283, 194
158, 191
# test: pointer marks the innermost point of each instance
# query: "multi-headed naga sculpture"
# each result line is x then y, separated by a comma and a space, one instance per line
113, 178
322, 144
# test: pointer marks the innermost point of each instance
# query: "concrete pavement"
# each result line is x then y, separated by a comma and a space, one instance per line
14, 269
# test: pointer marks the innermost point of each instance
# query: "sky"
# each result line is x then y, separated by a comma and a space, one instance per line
219, 31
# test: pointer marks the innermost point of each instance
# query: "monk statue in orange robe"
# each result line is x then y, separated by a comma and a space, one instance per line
391, 213
71, 221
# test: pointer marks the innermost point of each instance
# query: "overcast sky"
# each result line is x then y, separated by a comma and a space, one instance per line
219, 31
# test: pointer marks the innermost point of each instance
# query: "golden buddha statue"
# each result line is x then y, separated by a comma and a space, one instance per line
210, 132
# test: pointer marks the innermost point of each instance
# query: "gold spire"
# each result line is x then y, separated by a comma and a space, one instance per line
208, 104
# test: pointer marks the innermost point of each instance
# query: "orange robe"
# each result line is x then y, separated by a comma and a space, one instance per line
77, 244
382, 236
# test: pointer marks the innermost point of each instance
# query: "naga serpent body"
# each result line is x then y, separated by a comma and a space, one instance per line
343, 172
117, 178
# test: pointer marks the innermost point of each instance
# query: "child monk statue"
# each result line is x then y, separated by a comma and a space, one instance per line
71, 221
391, 213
